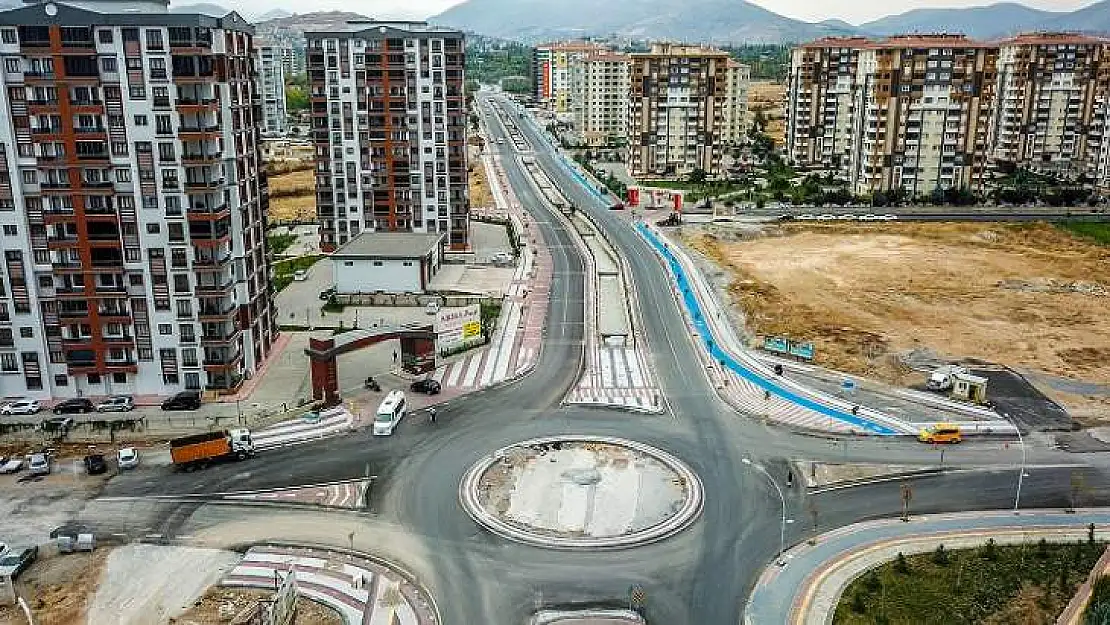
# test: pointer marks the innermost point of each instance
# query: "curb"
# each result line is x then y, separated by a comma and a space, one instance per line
379, 560
680, 520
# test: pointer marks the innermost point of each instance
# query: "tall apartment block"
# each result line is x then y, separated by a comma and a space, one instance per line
1052, 97
735, 126
132, 202
389, 125
552, 69
292, 60
271, 80
599, 96
925, 105
821, 101
681, 104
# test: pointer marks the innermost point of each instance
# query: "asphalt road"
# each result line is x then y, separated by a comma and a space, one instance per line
700, 576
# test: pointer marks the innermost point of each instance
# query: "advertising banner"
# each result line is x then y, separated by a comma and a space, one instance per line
458, 327
776, 344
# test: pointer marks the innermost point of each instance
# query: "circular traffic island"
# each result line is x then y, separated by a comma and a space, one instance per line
577, 492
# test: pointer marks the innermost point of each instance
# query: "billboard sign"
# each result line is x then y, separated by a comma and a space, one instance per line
804, 351
776, 344
458, 327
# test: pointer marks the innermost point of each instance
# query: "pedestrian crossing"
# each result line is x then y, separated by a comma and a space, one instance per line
616, 376
332, 422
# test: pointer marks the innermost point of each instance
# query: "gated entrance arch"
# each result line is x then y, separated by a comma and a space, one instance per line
418, 354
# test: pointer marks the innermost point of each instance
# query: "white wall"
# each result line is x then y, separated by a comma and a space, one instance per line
365, 276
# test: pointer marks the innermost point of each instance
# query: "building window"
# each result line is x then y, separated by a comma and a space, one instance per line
377, 263
108, 64
26, 332
8, 363
104, 35
11, 65
189, 357
137, 92
184, 308
7, 35
61, 380
94, 378
165, 329
123, 174
9, 230
180, 283
119, 377
154, 39
141, 120
146, 354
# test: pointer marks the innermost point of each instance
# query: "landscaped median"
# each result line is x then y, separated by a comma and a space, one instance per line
993, 563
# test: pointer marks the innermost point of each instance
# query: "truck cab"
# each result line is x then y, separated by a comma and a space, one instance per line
241, 442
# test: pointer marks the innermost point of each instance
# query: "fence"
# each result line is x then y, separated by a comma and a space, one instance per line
411, 300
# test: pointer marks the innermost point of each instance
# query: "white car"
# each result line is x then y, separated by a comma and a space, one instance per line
300, 275
826, 217
868, 217
846, 217
12, 465
431, 308
888, 217
118, 403
23, 406
38, 464
127, 458
502, 258
806, 217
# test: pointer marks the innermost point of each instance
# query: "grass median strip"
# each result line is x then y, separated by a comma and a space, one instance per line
1029, 583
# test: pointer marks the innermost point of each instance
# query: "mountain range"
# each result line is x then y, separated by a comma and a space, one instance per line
739, 21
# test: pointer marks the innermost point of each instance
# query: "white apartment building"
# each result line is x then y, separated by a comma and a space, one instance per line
271, 82
821, 101
552, 67
132, 202
735, 126
599, 97
292, 59
682, 105
389, 123
1051, 90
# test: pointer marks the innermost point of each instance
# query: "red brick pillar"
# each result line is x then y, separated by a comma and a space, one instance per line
325, 372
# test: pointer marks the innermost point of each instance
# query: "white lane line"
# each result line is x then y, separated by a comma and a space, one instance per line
456, 369
473, 367
634, 370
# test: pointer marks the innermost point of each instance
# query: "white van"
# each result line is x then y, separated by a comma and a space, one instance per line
389, 413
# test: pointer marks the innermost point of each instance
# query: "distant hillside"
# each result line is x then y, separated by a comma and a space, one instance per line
1005, 18
1092, 19
272, 14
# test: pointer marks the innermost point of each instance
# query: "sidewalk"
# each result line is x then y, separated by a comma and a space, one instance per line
806, 590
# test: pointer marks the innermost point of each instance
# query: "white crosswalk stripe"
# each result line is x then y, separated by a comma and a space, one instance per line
296, 431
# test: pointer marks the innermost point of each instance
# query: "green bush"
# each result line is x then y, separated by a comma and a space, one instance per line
940, 556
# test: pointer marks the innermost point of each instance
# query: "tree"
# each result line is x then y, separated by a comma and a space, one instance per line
697, 177
901, 565
296, 99
940, 556
989, 550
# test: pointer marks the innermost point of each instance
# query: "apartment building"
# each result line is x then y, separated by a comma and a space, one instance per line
925, 104
552, 67
271, 80
681, 104
292, 59
599, 96
735, 126
821, 100
389, 125
132, 202
1052, 93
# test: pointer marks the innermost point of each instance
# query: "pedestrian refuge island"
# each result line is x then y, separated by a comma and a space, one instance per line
613, 322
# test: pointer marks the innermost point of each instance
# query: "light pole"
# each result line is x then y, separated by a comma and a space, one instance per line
782, 498
1021, 442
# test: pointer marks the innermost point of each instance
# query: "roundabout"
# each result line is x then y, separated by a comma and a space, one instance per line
581, 493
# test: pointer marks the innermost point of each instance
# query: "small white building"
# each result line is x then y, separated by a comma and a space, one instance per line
389, 262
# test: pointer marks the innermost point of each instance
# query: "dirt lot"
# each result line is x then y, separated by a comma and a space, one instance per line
217, 603
480, 195
1026, 296
293, 197
58, 587
770, 97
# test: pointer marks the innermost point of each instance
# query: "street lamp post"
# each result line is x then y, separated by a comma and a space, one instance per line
782, 499
1021, 475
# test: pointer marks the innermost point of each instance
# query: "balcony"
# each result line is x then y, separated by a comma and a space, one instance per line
203, 185
66, 266
216, 289
214, 313
220, 338
46, 130
210, 240
120, 315
211, 262
197, 104
94, 157
207, 214
72, 313
218, 361
200, 159
198, 133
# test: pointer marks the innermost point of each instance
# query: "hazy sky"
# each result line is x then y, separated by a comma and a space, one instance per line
854, 11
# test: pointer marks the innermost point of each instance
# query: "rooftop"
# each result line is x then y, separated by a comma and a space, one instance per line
377, 28
400, 245
1051, 38
680, 49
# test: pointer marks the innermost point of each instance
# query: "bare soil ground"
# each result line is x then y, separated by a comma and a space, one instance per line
1026, 296
480, 195
218, 603
58, 587
293, 196
770, 97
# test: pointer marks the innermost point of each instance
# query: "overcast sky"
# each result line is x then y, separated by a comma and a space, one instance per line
854, 11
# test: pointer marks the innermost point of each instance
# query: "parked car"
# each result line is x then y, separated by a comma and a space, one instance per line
11, 465
95, 464
431, 308
502, 258
117, 403
15, 561
300, 275
826, 217
127, 458
185, 400
38, 464
22, 406
56, 424
427, 386
72, 406
327, 293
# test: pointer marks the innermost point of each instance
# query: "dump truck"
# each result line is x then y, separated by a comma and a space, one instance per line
198, 450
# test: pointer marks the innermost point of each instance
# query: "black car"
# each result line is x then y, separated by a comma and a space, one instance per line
427, 386
185, 400
71, 406
95, 464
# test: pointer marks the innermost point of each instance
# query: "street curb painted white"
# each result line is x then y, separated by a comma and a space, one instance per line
680, 520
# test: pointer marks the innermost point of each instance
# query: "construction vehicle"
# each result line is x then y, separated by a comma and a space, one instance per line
199, 450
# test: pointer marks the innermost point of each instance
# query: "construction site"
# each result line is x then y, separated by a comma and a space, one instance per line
875, 298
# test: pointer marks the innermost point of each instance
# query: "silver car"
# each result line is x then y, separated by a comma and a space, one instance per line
127, 458
118, 403
38, 464
22, 406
